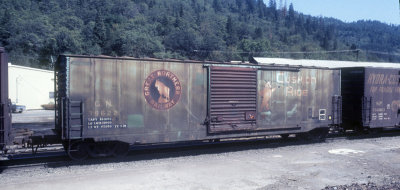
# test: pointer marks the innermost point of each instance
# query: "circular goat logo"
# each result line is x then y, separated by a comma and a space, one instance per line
162, 89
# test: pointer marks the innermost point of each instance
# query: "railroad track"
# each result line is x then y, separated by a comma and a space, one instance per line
139, 152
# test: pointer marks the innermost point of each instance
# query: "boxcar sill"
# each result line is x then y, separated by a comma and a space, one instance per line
254, 131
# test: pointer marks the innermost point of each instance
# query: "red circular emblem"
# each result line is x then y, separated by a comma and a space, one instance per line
162, 89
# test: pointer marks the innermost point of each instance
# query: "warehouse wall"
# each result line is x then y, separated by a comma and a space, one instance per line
29, 86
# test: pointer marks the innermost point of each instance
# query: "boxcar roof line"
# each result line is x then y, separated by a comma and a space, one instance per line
253, 64
322, 63
142, 59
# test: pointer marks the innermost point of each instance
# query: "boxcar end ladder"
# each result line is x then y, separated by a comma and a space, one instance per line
75, 120
366, 111
336, 110
2, 126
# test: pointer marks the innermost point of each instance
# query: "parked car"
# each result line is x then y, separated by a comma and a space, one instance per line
18, 108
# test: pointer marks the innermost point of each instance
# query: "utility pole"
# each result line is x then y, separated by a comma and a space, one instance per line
358, 52
16, 88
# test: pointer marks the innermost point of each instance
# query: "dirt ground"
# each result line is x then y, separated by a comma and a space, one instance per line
306, 166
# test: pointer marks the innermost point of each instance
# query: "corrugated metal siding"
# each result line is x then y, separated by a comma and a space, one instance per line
233, 99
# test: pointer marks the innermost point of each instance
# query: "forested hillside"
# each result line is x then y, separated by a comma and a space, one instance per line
35, 31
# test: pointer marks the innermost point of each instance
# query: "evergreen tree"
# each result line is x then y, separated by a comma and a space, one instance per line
273, 10
291, 16
230, 32
262, 9
99, 31
4, 32
258, 33
217, 5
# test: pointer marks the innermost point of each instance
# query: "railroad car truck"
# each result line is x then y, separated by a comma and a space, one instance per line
106, 104
5, 115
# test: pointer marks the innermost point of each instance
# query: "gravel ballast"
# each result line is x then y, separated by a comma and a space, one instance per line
372, 163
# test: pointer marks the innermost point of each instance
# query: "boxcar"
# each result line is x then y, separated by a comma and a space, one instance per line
5, 116
370, 91
371, 97
105, 103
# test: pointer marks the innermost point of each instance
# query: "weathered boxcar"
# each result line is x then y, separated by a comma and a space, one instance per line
371, 97
370, 91
5, 116
120, 101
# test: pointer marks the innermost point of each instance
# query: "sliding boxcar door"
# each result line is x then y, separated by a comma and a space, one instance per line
232, 99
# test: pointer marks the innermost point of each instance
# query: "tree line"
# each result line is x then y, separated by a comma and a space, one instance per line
35, 32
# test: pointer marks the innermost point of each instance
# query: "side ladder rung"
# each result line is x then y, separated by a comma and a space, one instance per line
75, 115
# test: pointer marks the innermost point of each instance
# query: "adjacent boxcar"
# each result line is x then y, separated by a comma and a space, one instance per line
5, 116
370, 91
371, 97
146, 101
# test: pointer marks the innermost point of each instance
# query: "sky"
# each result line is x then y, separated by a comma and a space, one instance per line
386, 11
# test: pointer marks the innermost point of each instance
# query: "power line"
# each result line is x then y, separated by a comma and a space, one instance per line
382, 53
278, 52
301, 52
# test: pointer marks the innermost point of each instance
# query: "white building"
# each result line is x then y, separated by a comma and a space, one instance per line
29, 86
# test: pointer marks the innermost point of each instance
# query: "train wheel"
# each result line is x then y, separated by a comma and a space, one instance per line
318, 135
214, 140
375, 131
303, 136
77, 151
360, 130
121, 149
284, 136
93, 150
101, 149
